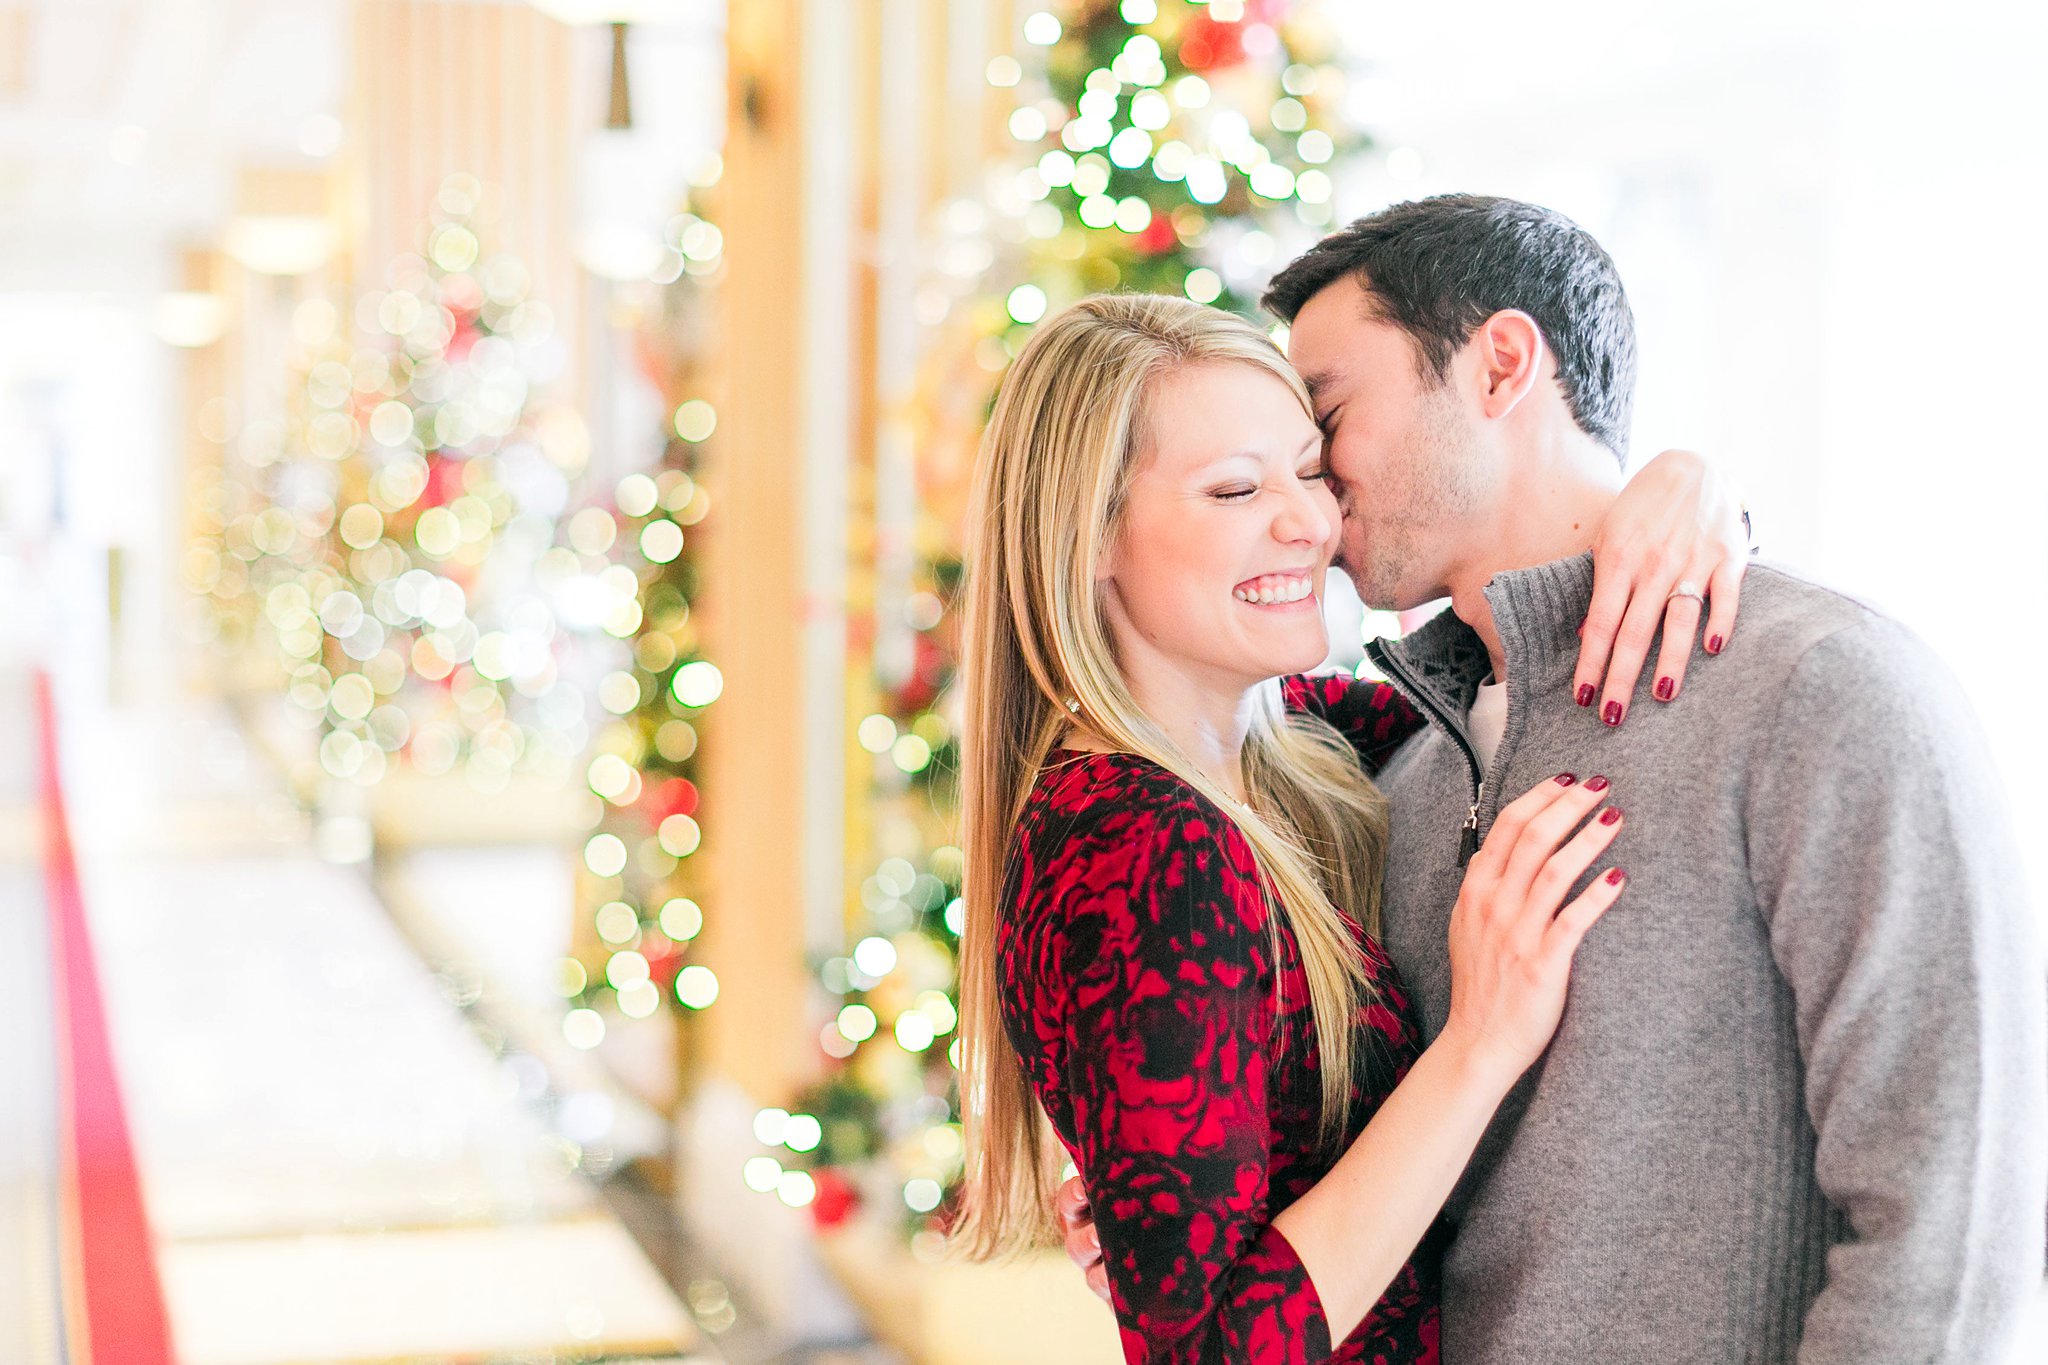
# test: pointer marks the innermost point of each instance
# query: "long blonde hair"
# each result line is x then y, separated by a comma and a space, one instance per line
1068, 432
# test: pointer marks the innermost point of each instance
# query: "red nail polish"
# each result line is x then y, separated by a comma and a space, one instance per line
1616, 877
1612, 715
1597, 784
1611, 816
1585, 694
1714, 645
1665, 687
1566, 779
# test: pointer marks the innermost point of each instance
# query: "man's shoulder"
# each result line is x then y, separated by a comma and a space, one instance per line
1787, 613
1796, 635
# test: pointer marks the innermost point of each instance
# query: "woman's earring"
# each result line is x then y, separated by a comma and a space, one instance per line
1073, 706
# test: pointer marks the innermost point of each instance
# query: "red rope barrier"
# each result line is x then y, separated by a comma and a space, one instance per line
114, 1304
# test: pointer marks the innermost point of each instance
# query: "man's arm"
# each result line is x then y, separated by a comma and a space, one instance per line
1885, 864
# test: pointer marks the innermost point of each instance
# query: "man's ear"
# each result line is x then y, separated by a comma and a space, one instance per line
1512, 356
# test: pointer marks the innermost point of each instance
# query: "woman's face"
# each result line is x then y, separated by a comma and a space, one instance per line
1218, 564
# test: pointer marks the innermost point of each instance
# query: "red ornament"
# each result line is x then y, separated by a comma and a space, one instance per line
1209, 45
927, 667
444, 481
835, 1200
464, 336
664, 961
1158, 236
673, 796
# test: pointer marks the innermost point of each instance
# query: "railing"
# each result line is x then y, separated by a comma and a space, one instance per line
113, 1305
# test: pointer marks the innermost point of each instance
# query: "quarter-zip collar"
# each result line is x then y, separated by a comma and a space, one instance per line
1439, 667
1537, 612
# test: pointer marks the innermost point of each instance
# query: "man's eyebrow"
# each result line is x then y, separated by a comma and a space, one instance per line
1319, 385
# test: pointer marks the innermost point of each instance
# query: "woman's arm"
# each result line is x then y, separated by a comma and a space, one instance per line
1678, 523
1167, 1031
1371, 715
1511, 953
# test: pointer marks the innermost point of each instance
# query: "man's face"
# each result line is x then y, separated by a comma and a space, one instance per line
1410, 468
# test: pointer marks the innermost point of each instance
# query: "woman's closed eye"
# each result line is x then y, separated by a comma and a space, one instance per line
1239, 491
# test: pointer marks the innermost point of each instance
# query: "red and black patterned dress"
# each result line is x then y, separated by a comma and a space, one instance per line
1138, 987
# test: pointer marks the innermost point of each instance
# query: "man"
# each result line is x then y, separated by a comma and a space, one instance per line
1796, 1105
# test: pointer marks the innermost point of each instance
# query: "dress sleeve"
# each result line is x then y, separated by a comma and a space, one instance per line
1372, 715
1169, 1037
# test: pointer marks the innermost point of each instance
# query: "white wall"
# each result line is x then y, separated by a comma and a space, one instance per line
1827, 219
86, 464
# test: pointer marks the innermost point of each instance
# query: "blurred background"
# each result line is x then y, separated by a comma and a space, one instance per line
480, 488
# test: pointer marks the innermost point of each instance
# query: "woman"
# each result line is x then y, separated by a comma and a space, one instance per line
1173, 886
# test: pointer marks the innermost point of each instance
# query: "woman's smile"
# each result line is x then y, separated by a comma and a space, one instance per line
1290, 590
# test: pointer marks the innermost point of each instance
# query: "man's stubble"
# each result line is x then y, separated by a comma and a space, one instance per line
1402, 531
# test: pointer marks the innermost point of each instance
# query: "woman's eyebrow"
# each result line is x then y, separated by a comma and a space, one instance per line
1208, 465
1314, 442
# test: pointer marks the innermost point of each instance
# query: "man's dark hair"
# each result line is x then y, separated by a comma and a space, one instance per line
1438, 268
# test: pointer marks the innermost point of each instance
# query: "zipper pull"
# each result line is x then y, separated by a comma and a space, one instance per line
1468, 837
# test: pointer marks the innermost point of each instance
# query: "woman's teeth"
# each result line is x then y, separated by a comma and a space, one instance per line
1268, 591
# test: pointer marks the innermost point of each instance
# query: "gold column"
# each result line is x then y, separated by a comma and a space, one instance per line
755, 606
202, 449
807, 210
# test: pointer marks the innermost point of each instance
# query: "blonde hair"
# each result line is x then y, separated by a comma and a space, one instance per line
1068, 431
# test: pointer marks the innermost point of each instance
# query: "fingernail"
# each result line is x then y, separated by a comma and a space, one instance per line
1665, 687
1585, 694
1612, 715
1615, 877
1566, 779
1611, 816
1714, 645
1597, 784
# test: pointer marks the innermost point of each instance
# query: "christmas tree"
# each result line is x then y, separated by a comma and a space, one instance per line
398, 538
1169, 147
638, 892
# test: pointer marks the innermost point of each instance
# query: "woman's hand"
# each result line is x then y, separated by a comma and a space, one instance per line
1677, 521
1077, 1229
1511, 946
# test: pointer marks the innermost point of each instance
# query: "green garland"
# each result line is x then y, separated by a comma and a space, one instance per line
640, 915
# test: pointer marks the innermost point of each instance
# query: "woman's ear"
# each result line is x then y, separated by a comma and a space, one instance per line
1512, 356
1107, 560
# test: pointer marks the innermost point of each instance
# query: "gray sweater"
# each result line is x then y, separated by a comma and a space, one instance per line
1796, 1106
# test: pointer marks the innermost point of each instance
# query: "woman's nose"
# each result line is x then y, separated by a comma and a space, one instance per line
1304, 518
